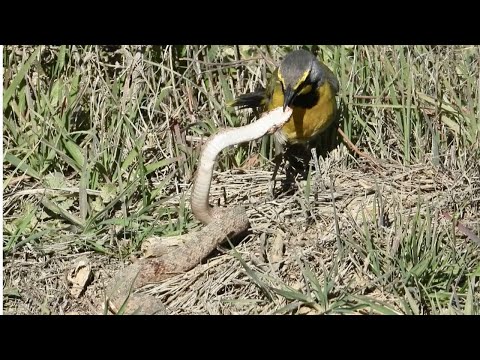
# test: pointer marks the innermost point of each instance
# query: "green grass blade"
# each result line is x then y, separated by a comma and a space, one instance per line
21, 165
8, 93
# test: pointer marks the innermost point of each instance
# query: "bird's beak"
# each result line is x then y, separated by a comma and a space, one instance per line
288, 97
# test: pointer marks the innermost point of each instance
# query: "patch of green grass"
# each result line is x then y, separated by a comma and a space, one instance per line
422, 271
120, 128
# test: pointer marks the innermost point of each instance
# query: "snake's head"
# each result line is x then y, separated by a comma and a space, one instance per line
284, 113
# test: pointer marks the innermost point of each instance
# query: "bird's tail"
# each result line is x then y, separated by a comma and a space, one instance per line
252, 100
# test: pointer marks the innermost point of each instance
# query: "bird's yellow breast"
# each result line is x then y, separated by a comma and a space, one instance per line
306, 123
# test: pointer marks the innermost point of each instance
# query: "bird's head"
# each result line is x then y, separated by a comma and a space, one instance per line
298, 72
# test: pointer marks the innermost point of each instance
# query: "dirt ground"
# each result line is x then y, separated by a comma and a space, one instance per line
60, 276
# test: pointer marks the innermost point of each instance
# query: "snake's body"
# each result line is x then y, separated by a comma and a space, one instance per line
191, 249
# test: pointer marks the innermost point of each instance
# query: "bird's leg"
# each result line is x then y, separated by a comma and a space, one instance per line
278, 161
313, 150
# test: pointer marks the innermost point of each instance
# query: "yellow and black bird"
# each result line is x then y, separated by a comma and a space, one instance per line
306, 85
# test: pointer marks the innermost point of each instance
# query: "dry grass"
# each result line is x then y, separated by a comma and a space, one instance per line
100, 147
